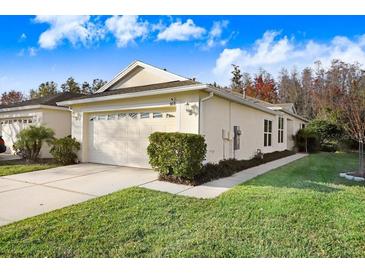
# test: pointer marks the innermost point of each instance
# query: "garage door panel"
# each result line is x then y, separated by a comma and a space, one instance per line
124, 141
10, 129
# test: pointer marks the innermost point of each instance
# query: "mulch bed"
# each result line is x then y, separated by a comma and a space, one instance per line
225, 168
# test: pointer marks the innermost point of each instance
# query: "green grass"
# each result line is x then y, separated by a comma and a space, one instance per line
20, 166
301, 210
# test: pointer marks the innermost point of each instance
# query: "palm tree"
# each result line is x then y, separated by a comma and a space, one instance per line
30, 141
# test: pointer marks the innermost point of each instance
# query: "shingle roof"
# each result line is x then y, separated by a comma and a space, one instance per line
140, 88
47, 100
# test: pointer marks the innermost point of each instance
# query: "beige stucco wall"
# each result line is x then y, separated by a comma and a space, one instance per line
187, 117
295, 125
58, 120
220, 114
145, 76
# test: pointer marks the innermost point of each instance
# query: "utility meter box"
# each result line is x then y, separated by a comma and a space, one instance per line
236, 137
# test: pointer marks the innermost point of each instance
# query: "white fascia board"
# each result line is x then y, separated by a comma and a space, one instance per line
32, 107
242, 101
133, 95
295, 115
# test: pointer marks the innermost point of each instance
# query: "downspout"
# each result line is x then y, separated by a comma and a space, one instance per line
201, 101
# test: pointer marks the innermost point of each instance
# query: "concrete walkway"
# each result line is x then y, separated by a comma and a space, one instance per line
28, 194
215, 188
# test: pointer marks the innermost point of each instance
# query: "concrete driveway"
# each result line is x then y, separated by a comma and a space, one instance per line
29, 194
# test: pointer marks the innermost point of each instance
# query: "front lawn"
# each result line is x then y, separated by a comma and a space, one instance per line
301, 210
21, 166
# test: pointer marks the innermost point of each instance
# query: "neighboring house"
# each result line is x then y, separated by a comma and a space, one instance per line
113, 124
40, 111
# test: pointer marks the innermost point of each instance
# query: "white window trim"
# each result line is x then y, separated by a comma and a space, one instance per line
268, 133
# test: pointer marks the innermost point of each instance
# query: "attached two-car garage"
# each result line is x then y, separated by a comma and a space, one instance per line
121, 138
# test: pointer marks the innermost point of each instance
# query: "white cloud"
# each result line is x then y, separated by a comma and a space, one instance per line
274, 51
179, 31
22, 37
75, 29
32, 51
215, 34
127, 29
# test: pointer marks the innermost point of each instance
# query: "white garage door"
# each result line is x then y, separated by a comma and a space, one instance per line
122, 138
10, 128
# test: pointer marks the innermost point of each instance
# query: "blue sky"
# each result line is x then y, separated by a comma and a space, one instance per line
34, 49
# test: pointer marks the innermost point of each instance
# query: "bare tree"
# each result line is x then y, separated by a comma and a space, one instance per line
352, 107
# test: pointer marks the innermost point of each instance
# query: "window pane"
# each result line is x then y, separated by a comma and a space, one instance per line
121, 115
265, 140
157, 115
265, 125
132, 115
112, 117
269, 141
145, 115
270, 126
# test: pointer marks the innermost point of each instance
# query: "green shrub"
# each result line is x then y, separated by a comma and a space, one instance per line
306, 140
64, 150
176, 154
329, 133
30, 141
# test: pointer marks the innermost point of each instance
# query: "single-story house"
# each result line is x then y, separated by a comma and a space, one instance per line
114, 123
40, 111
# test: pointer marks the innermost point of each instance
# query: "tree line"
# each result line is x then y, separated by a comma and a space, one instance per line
51, 88
314, 91
333, 98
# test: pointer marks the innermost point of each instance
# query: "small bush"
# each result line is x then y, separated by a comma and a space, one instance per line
64, 150
176, 154
30, 141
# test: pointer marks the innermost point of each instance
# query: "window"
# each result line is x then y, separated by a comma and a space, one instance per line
30, 121
281, 130
132, 115
267, 133
302, 126
157, 115
145, 115
169, 115
122, 115
102, 117
112, 117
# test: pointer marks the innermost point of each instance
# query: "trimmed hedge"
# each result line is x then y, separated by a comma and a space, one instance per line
225, 168
177, 154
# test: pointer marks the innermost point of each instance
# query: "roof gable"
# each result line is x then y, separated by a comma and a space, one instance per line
140, 74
